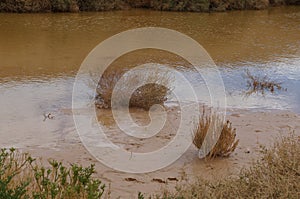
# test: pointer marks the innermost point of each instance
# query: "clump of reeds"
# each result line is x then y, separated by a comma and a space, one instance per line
143, 97
256, 84
226, 142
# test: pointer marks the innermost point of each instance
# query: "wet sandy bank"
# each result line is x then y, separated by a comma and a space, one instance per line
253, 130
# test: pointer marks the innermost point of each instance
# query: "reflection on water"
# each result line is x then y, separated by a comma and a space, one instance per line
40, 54
287, 73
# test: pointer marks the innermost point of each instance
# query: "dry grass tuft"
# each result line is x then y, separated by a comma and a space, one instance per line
275, 175
226, 143
144, 97
148, 95
258, 84
105, 88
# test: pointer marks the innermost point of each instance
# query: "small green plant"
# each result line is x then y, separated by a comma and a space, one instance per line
21, 178
13, 169
59, 181
141, 196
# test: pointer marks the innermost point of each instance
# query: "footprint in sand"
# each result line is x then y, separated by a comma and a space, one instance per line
132, 180
173, 179
158, 180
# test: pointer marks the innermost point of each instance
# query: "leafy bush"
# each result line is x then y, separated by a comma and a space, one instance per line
101, 5
25, 6
167, 5
12, 166
64, 6
177, 5
21, 177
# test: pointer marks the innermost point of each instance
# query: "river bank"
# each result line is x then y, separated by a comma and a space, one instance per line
254, 130
31, 6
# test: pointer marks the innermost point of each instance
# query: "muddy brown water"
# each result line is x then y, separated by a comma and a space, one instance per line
41, 53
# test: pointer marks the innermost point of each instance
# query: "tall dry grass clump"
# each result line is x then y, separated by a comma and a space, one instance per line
275, 175
143, 97
211, 121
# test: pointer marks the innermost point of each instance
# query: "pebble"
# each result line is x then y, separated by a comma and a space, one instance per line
247, 150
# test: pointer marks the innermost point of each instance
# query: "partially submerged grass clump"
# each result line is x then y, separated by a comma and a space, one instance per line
22, 177
148, 95
143, 97
275, 175
256, 84
208, 125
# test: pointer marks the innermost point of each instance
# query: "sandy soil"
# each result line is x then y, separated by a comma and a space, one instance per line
253, 130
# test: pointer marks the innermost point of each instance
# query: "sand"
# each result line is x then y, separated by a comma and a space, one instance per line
254, 129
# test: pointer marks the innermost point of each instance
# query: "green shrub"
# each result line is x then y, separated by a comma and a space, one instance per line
21, 6
178, 5
167, 5
100, 5
223, 5
21, 178
64, 6
12, 165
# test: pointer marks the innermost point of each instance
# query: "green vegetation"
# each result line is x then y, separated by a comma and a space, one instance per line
275, 175
167, 5
21, 177
180, 5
